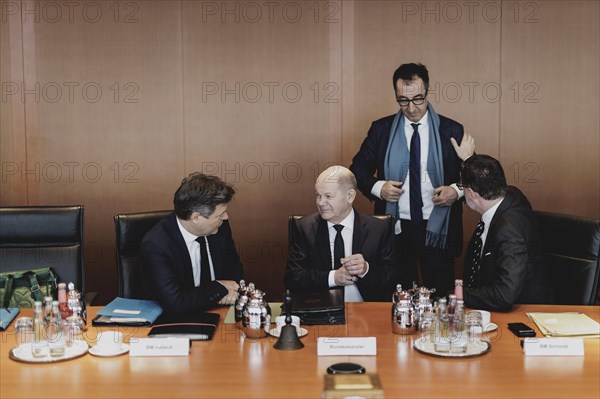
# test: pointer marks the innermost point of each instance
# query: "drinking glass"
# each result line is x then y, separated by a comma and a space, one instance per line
474, 324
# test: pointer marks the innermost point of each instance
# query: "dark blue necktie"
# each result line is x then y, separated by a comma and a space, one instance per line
338, 246
476, 254
416, 201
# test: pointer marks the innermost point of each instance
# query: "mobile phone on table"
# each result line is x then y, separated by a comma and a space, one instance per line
521, 330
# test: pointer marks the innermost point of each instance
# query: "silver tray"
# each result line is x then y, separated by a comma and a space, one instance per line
475, 348
22, 353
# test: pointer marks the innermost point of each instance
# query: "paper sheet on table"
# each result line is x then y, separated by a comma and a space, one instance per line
566, 324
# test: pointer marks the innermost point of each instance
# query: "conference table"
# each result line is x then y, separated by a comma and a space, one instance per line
233, 366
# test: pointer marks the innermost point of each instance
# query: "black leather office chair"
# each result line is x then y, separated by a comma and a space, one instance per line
33, 237
572, 251
130, 230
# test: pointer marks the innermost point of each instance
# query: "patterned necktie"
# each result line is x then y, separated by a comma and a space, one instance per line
476, 254
416, 200
338, 246
205, 277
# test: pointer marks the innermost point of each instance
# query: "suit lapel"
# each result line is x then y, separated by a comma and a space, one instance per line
215, 255
322, 247
182, 251
360, 233
506, 203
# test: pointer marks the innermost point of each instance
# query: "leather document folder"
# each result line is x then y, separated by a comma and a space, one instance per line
321, 307
196, 327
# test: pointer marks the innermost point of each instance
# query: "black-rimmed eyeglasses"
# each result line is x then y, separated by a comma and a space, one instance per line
417, 100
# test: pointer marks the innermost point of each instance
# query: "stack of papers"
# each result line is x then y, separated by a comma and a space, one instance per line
567, 324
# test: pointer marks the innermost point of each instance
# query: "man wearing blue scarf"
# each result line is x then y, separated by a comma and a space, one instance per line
416, 144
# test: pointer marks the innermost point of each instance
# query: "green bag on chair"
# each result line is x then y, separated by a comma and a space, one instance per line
20, 289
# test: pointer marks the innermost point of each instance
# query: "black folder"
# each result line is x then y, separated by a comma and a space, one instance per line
196, 327
321, 307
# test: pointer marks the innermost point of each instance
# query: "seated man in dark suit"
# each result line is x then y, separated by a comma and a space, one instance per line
189, 258
338, 247
504, 262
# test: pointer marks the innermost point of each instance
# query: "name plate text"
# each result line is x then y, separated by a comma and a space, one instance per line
354, 346
159, 347
553, 346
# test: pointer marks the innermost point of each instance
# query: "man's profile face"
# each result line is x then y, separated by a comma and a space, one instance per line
333, 203
207, 226
409, 90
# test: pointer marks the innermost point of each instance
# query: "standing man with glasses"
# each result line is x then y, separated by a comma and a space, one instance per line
408, 166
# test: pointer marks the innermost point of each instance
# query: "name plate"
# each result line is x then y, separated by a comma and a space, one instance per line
553, 346
159, 347
354, 346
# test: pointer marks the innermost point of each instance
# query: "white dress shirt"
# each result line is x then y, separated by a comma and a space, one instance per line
193, 247
487, 219
351, 292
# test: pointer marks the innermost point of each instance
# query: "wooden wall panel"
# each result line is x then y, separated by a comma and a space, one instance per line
461, 53
267, 94
13, 149
550, 127
260, 97
115, 143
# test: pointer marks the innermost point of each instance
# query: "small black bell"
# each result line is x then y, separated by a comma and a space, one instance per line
288, 337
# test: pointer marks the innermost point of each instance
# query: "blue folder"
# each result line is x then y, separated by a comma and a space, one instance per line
128, 312
6, 316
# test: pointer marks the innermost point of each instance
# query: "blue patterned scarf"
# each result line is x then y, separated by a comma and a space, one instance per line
397, 160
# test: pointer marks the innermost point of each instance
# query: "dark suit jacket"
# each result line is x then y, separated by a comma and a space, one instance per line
512, 269
309, 257
167, 267
370, 159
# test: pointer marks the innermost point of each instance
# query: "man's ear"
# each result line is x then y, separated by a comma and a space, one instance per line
474, 195
351, 195
194, 217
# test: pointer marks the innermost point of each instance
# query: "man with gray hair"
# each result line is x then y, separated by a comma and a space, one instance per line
338, 247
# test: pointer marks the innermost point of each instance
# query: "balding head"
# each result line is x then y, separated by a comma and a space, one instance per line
340, 175
335, 190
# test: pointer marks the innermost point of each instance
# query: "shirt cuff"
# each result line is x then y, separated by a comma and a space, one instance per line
458, 190
331, 279
365, 273
376, 189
